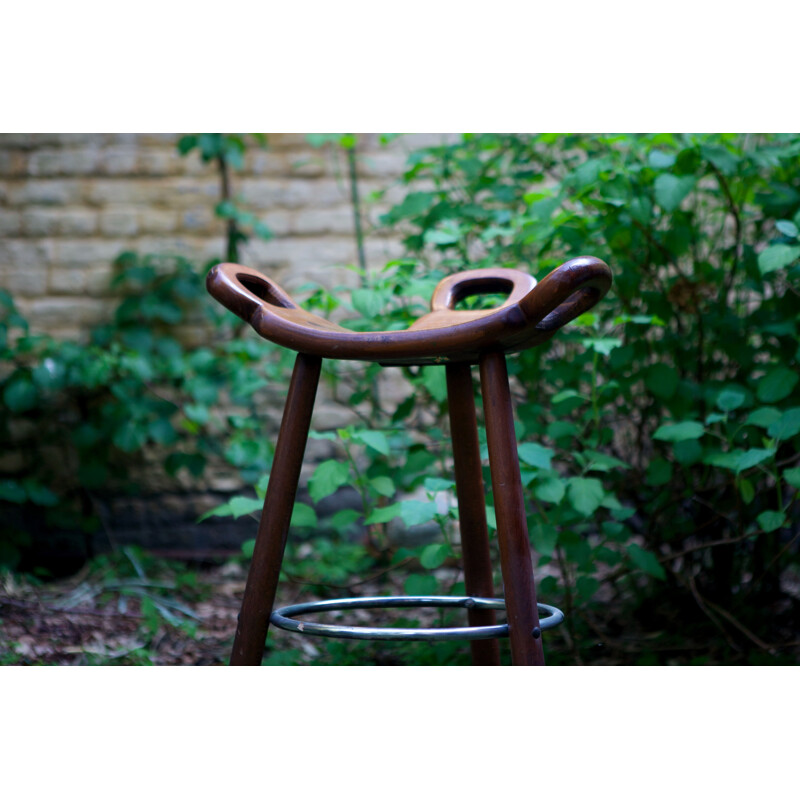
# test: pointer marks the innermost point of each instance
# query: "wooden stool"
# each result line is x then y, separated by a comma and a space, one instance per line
530, 315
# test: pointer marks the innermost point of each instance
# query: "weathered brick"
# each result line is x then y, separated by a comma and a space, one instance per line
41, 221
119, 160
45, 192
28, 282
156, 220
80, 161
381, 164
279, 222
76, 139
24, 253
198, 220
67, 281
180, 193
157, 161
78, 253
46, 162
105, 192
68, 312
10, 223
119, 222
98, 279
13, 163
159, 138
320, 221
77, 222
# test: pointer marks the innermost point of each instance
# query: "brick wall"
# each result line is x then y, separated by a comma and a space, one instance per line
70, 203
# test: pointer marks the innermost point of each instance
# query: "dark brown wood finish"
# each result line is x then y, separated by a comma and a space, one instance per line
531, 314
471, 506
509, 504
262, 580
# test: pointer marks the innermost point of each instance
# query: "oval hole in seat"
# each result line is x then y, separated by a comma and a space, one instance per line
262, 290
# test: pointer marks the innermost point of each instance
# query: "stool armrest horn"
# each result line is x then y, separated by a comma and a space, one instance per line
244, 290
566, 293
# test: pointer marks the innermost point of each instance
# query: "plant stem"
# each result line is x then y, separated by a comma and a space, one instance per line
354, 199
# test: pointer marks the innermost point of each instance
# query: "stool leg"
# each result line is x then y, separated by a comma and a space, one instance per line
512, 526
471, 506
262, 581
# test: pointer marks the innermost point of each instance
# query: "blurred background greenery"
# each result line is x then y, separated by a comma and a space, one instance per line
658, 435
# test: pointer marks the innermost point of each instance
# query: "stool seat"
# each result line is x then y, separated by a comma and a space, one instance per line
530, 315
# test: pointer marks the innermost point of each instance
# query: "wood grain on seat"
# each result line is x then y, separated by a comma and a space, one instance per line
530, 314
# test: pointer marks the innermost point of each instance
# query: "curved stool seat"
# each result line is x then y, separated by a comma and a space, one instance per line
530, 315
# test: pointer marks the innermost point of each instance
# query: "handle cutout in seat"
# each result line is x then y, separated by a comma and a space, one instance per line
263, 290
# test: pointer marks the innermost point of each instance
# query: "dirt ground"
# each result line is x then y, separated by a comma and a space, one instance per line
83, 620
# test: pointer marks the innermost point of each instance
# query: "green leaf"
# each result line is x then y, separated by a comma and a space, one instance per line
420, 585
412, 512
344, 518
646, 561
438, 484
601, 462
535, 455
12, 491
603, 346
776, 385
670, 190
747, 491
749, 458
660, 160
303, 516
787, 426
368, 302
441, 237
788, 228
434, 379
241, 506
20, 394
383, 485
550, 490
763, 417
434, 555
544, 537
770, 521
659, 472
130, 437
792, 477
661, 380
374, 439
327, 478
679, 431
248, 547
41, 495
776, 257
725, 460
585, 495
586, 586
730, 399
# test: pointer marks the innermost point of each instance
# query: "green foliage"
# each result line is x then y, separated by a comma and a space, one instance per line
686, 376
227, 151
82, 415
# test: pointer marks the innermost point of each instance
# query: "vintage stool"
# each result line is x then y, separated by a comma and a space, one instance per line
530, 315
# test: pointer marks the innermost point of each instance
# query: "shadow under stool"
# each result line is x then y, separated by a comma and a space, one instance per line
455, 339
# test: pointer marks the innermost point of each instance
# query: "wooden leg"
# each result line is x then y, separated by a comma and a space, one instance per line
512, 526
262, 581
471, 506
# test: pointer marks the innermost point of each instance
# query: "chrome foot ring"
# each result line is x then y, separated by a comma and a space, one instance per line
284, 618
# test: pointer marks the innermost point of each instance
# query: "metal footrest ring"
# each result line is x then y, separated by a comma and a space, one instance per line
284, 618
